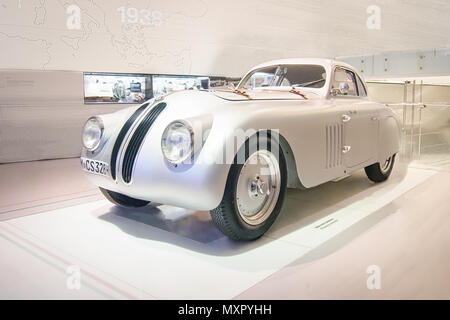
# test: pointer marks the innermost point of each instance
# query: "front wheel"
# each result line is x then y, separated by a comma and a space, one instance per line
379, 172
122, 200
253, 195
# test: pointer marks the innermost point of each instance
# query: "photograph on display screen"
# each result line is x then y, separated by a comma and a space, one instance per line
221, 83
163, 84
116, 88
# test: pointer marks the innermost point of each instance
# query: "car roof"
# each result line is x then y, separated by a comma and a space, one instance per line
319, 61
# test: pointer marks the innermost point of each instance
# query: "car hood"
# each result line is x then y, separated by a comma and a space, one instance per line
198, 103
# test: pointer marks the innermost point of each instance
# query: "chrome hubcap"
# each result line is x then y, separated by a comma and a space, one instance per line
386, 165
258, 187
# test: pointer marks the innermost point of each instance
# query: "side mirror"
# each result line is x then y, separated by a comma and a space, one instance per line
231, 86
343, 89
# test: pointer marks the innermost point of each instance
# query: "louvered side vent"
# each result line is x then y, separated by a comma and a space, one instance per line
334, 145
121, 136
136, 141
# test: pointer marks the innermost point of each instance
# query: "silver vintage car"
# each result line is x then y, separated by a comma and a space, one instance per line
292, 123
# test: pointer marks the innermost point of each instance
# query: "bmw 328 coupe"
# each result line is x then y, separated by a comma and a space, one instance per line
292, 123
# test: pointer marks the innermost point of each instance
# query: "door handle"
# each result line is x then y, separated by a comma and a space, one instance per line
346, 118
346, 149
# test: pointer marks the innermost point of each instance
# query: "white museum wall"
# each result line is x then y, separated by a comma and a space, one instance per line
210, 37
42, 114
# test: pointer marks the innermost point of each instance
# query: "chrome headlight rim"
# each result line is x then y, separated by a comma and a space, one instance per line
101, 126
188, 154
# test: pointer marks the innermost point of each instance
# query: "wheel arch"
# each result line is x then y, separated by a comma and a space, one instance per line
293, 180
292, 173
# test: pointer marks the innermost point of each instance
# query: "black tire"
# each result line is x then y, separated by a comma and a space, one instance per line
122, 200
375, 173
226, 216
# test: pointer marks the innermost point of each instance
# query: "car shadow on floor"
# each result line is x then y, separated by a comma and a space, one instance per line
194, 230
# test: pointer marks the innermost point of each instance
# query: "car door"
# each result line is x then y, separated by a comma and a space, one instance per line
359, 118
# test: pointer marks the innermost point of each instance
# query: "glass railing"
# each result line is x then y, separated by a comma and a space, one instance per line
426, 125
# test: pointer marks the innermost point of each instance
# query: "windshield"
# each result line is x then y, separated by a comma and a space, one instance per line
306, 76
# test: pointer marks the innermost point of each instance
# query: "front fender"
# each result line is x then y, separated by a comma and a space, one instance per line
197, 185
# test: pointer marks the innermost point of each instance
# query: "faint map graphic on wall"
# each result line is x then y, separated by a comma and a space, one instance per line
163, 84
40, 27
115, 88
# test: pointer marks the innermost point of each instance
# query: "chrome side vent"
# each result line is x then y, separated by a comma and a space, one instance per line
334, 143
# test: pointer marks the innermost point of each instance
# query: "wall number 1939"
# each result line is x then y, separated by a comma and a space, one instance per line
144, 16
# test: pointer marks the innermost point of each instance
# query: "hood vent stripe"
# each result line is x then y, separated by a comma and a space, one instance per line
136, 141
121, 136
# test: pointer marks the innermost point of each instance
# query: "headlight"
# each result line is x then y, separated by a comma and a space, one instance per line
92, 133
177, 142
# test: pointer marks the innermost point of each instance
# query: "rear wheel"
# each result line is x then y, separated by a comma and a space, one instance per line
253, 195
379, 172
123, 200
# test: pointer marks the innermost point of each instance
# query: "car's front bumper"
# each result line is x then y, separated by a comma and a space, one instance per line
198, 186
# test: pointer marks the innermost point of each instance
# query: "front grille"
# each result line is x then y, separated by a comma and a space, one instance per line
136, 141
121, 136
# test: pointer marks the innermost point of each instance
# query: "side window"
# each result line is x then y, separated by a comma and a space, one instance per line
361, 89
345, 76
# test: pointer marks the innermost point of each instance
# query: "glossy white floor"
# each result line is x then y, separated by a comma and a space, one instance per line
53, 223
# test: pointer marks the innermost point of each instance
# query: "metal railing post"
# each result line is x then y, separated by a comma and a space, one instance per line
412, 117
419, 151
405, 100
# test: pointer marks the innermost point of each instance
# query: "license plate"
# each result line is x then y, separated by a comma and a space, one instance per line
94, 166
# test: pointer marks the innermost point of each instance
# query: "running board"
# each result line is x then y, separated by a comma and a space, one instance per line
342, 178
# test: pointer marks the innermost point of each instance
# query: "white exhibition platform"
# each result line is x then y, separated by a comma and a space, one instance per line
172, 253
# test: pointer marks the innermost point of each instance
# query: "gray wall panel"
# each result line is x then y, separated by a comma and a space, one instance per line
42, 114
